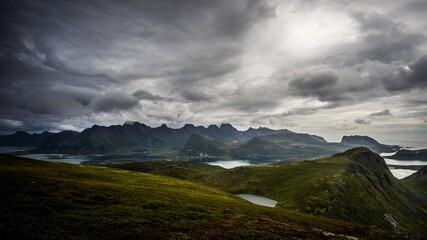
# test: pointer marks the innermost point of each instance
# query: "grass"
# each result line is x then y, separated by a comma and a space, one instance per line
356, 186
46, 200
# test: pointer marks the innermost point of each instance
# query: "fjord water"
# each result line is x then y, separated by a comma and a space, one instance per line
399, 172
258, 200
13, 149
75, 159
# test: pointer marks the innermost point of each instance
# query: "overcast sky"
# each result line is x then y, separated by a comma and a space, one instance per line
328, 67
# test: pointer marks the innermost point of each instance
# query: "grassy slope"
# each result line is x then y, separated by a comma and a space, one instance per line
45, 200
337, 187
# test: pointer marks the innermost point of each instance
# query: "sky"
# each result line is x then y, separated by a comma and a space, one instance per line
324, 67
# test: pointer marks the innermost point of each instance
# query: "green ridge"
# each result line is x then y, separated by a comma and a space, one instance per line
45, 200
354, 186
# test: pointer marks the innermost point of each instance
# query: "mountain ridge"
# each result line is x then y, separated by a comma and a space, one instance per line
137, 137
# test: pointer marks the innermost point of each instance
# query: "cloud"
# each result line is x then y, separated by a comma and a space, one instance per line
317, 84
362, 121
385, 40
76, 63
384, 113
195, 95
11, 124
414, 75
114, 101
67, 127
142, 94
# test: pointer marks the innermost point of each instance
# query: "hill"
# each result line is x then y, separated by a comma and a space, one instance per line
45, 200
418, 181
368, 142
283, 146
24, 139
406, 154
354, 186
198, 145
286, 146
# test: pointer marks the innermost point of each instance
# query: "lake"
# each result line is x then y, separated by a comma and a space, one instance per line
401, 173
65, 158
398, 172
258, 200
231, 164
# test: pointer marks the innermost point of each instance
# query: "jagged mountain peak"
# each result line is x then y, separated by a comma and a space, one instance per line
188, 125
227, 126
364, 156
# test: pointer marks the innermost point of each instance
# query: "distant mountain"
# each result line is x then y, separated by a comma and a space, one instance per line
288, 145
24, 139
355, 186
365, 141
405, 154
225, 141
200, 145
134, 136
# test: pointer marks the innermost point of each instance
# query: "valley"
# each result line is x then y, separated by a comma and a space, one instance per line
42, 199
297, 176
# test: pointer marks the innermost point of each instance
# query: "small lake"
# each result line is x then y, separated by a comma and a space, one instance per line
75, 159
401, 173
258, 200
239, 163
231, 164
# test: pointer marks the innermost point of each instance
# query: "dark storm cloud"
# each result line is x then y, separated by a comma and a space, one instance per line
113, 102
300, 111
385, 40
7, 124
316, 84
418, 7
142, 94
195, 95
407, 77
362, 121
93, 47
386, 112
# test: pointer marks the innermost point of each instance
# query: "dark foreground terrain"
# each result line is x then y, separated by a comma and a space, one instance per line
45, 200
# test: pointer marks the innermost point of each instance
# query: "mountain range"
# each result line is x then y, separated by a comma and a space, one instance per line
24, 139
190, 141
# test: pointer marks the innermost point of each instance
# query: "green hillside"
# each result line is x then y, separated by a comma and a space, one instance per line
199, 144
418, 182
45, 200
354, 186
